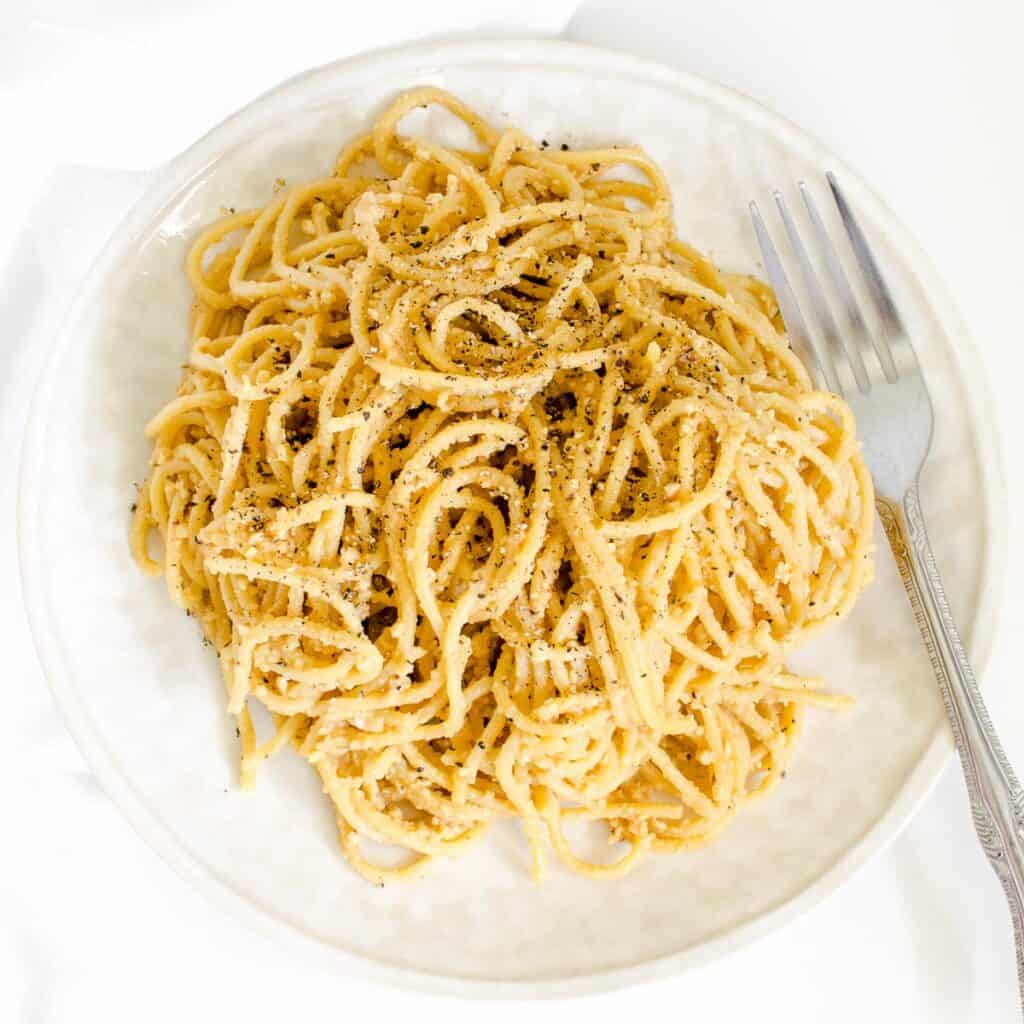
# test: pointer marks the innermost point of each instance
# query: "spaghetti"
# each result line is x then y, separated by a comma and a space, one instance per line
501, 499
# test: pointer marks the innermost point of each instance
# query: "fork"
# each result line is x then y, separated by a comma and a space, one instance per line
878, 374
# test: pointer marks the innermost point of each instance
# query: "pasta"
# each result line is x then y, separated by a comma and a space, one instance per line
501, 499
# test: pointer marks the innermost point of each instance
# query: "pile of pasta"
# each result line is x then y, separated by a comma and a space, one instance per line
502, 500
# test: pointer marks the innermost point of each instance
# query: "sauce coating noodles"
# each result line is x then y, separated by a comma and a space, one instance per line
501, 499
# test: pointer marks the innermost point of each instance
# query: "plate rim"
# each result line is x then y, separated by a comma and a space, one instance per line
562, 54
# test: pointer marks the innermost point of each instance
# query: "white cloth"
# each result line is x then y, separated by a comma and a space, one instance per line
920, 96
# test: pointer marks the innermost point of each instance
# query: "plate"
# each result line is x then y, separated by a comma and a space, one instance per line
143, 696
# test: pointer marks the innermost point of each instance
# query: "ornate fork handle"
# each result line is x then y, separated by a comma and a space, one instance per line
997, 800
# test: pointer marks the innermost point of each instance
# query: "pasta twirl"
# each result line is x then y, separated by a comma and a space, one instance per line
502, 500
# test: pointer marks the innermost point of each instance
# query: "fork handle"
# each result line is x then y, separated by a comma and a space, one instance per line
997, 799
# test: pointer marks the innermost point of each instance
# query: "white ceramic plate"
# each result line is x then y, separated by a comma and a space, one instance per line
143, 696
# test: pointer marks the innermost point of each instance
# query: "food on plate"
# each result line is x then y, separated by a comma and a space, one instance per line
501, 499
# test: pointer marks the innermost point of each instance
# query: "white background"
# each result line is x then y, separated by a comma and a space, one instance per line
922, 96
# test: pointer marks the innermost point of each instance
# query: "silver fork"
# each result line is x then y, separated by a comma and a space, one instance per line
879, 375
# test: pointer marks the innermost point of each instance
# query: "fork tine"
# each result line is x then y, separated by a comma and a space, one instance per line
833, 340
857, 329
796, 326
891, 322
